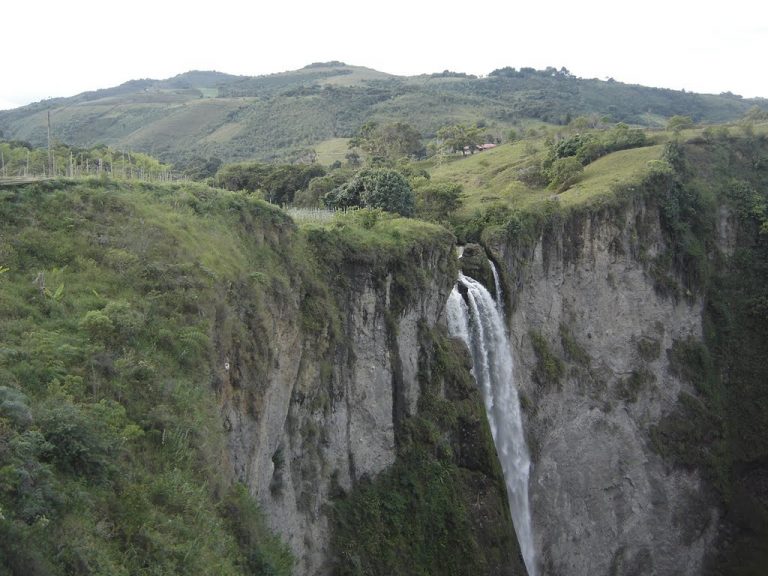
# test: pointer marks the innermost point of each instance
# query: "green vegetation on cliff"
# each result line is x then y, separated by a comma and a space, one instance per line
711, 194
709, 188
512, 186
721, 184
110, 439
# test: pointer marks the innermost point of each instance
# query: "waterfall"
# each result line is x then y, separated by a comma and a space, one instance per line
497, 287
478, 321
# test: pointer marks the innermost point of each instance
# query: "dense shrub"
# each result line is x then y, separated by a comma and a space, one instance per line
278, 182
437, 201
375, 188
564, 173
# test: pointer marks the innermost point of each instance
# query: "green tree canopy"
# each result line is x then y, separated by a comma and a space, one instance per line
388, 142
200, 168
565, 172
459, 137
677, 123
375, 188
313, 194
756, 114
278, 182
437, 201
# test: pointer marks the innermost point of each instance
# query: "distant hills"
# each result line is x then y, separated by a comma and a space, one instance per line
280, 116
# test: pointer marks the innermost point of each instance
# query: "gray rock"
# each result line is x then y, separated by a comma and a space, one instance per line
603, 501
318, 420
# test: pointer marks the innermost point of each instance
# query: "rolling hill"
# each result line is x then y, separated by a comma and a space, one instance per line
279, 116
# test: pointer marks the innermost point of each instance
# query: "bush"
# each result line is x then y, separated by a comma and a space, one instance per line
312, 196
678, 123
117, 322
263, 553
564, 173
14, 407
84, 439
533, 175
438, 201
279, 182
375, 188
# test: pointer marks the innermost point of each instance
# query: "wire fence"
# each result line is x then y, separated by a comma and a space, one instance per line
21, 176
317, 215
12, 180
33, 167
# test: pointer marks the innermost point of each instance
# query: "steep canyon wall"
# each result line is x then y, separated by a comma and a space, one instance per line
590, 333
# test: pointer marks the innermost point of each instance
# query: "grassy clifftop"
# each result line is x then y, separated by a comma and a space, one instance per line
495, 177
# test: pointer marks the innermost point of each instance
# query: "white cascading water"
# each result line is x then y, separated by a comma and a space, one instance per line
478, 321
497, 287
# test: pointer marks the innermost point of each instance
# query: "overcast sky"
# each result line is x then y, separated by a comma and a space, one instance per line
62, 48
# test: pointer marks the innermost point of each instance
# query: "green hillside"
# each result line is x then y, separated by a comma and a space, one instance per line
212, 114
493, 177
109, 437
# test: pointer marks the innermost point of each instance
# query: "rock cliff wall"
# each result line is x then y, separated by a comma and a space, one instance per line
312, 400
591, 334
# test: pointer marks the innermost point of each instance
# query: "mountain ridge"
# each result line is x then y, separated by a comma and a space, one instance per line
279, 116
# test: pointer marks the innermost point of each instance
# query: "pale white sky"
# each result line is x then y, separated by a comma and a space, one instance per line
55, 48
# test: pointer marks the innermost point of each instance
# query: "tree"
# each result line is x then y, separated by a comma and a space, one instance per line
200, 168
565, 172
374, 188
756, 114
437, 201
678, 123
622, 137
317, 189
401, 140
278, 182
460, 137
388, 142
568, 146
353, 159
388, 190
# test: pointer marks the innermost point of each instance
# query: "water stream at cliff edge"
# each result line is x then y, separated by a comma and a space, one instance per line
478, 321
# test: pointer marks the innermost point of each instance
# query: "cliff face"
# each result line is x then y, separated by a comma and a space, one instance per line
315, 395
163, 343
178, 360
323, 417
591, 334
637, 340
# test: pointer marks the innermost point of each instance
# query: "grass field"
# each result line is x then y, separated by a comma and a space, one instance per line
602, 175
491, 177
328, 151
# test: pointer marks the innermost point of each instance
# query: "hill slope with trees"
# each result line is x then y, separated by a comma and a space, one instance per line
210, 114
